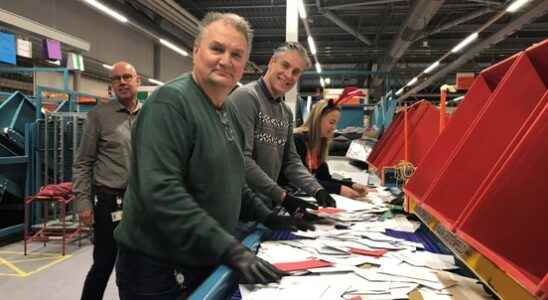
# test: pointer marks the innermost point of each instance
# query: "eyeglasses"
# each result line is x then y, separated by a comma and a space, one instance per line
118, 78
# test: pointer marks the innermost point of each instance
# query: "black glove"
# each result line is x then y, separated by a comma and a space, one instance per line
324, 199
252, 269
292, 203
275, 222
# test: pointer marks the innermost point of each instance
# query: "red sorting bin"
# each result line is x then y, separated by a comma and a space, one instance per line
512, 102
437, 156
508, 221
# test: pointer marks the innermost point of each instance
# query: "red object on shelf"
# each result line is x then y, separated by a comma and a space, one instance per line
376, 253
464, 80
477, 97
302, 265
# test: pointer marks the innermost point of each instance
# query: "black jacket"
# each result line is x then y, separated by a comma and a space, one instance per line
322, 174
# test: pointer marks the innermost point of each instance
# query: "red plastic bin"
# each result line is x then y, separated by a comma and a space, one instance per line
487, 138
423, 131
437, 156
509, 220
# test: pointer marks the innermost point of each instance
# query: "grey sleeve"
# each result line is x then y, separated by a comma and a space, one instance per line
293, 168
253, 208
257, 179
82, 167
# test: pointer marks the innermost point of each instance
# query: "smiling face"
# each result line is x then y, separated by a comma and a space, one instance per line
220, 56
124, 81
284, 70
328, 123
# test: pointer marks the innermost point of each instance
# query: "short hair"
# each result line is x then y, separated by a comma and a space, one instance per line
294, 46
239, 23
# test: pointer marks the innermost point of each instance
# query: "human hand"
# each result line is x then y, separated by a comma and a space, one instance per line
324, 199
360, 188
250, 267
276, 222
292, 203
86, 216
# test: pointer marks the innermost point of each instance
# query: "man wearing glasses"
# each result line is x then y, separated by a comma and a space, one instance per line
101, 168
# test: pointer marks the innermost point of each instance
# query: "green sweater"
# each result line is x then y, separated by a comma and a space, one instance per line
186, 179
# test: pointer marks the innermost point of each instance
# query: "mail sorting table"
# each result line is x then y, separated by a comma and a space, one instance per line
222, 284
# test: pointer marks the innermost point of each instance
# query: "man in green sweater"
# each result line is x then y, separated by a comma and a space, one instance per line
187, 187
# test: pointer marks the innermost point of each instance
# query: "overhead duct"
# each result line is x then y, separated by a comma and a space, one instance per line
534, 12
175, 14
416, 21
342, 24
454, 23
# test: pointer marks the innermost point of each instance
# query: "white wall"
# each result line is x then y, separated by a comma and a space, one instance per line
110, 40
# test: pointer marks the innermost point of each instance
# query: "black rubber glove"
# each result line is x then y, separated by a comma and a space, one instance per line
292, 203
251, 268
324, 199
276, 222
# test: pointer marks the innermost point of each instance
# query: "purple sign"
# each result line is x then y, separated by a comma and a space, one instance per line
52, 49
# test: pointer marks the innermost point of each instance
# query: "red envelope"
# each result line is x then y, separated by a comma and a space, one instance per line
302, 265
376, 253
330, 210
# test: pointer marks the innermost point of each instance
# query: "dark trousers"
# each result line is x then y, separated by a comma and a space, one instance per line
140, 277
105, 249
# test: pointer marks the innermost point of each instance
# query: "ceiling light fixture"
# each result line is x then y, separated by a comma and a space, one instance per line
173, 47
465, 42
311, 45
107, 10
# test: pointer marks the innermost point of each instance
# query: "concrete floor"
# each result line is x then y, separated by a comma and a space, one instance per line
45, 274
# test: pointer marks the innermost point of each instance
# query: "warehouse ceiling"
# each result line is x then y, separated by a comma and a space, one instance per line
378, 44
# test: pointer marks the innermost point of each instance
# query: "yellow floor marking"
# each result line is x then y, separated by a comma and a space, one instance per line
10, 274
30, 254
12, 267
32, 259
48, 265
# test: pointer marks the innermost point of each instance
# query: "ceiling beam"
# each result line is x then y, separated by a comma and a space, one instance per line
535, 11
419, 17
454, 23
362, 3
342, 24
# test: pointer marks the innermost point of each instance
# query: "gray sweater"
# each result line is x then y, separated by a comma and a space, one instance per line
269, 146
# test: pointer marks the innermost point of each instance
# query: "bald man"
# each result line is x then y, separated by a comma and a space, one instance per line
100, 172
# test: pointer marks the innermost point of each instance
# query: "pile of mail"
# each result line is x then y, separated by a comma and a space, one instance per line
360, 261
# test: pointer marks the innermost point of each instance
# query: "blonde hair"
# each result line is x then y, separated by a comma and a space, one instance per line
312, 126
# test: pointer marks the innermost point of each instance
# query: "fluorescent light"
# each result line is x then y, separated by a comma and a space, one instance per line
322, 82
158, 82
412, 81
328, 81
432, 67
311, 45
173, 47
107, 10
302, 11
109, 67
318, 67
399, 92
516, 5
465, 42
